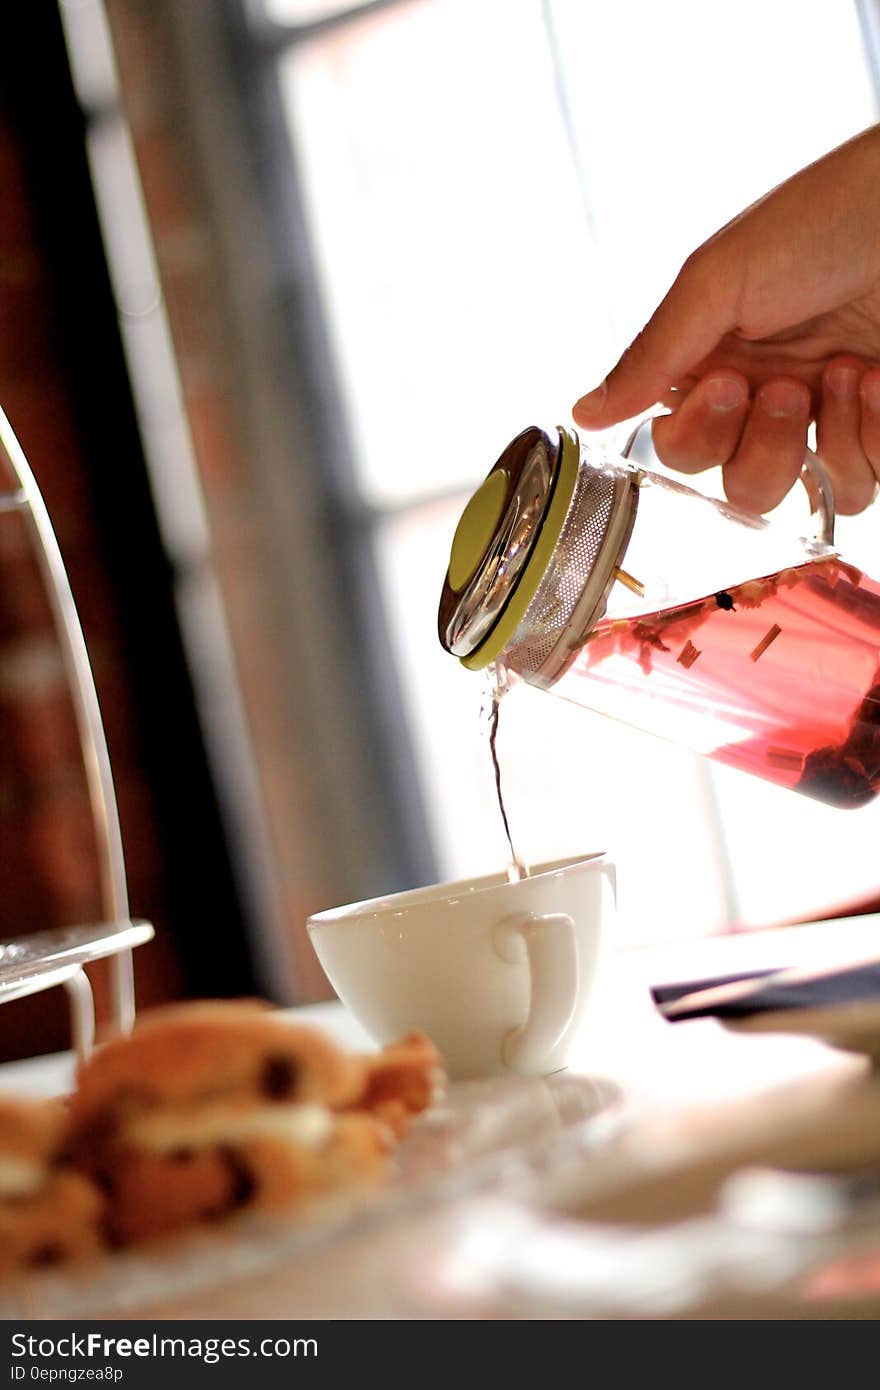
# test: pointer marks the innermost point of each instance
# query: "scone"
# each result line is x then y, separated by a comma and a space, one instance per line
402, 1081
48, 1214
210, 1108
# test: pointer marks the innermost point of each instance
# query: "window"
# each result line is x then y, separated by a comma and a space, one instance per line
497, 193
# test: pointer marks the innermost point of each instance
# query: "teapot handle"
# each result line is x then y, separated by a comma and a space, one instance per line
818, 488
813, 476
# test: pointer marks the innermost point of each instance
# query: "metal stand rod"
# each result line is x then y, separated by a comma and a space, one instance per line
81, 1002
102, 796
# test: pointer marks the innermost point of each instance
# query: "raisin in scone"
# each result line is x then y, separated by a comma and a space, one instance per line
207, 1109
48, 1213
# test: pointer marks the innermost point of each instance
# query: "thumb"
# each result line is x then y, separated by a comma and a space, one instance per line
684, 328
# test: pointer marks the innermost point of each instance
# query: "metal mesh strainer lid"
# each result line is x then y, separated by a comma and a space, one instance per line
535, 555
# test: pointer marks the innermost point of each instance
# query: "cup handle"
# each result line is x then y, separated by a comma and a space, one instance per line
548, 944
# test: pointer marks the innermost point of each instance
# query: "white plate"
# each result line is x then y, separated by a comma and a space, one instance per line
485, 1137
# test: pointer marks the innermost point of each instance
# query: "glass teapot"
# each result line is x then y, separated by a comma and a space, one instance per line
629, 593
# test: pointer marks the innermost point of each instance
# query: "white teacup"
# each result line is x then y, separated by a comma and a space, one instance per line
499, 975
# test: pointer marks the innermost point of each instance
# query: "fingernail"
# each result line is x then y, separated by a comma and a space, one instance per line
781, 398
592, 403
842, 380
725, 393
871, 392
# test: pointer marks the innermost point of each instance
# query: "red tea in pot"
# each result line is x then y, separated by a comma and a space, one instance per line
779, 676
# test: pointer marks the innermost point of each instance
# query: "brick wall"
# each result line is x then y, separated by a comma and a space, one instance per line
192, 272
48, 866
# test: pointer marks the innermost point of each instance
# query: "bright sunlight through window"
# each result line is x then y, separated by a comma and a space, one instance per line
499, 192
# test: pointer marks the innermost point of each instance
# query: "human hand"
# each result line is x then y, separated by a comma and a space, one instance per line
772, 323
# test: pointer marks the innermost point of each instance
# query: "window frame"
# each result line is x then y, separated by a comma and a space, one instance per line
253, 45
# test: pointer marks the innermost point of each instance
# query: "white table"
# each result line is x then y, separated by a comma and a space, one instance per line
697, 1098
